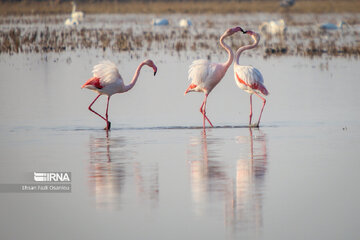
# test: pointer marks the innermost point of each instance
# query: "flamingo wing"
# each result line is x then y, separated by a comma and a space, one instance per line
108, 73
201, 71
250, 79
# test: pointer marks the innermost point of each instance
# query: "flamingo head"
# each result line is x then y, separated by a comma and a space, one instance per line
254, 35
249, 32
231, 31
151, 64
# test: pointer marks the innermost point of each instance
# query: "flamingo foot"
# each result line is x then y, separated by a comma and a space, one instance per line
107, 128
255, 125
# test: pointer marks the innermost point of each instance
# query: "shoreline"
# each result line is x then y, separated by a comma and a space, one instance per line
188, 7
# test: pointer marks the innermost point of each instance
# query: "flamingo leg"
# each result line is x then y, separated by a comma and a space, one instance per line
264, 101
108, 123
250, 115
203, 111
93, 110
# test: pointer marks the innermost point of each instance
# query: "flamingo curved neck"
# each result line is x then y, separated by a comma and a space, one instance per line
243, 48
135, 78
229, 51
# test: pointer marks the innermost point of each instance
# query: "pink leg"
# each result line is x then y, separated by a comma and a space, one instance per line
264, 101
203, 111
106, 119
250, 116
93, 110
108, 124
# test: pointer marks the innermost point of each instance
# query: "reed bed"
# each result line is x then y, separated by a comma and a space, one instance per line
306, 43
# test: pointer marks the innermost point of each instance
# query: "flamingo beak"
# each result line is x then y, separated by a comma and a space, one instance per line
189, 89
155, 71
239, 29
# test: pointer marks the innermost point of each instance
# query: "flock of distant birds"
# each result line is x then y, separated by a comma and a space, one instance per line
274, 27
77, 17
278, 27
185, 23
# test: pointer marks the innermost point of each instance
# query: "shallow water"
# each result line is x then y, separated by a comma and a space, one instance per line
156, 175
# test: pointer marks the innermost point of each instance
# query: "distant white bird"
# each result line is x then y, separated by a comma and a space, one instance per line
331, 26
287, 3
185, 23
160, 22
71, 22
77, 15
273, 27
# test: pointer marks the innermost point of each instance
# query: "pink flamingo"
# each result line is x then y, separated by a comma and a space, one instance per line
106, 80
205, 75
249, 78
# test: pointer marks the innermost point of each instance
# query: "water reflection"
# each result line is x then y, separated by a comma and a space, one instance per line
233, 188
113, 170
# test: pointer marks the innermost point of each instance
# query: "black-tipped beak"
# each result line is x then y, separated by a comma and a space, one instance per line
244, 32
155, 72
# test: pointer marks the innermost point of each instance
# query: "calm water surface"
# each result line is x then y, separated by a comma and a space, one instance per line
156, 175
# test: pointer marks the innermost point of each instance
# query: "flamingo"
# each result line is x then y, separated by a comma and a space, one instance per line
185, 23
77, 15
106, 80
273, 27
205, 75
249, 78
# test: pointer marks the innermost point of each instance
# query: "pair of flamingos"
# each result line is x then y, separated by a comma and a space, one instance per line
203, 74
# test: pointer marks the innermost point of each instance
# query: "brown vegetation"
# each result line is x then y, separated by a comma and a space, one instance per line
41, 41
193, 7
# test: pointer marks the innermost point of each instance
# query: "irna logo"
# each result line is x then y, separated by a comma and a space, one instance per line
52, 176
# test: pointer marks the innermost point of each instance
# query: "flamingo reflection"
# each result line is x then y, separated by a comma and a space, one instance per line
114, 168
250, 183
237, 185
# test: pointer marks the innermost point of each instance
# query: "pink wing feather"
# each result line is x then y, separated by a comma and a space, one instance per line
251, 78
